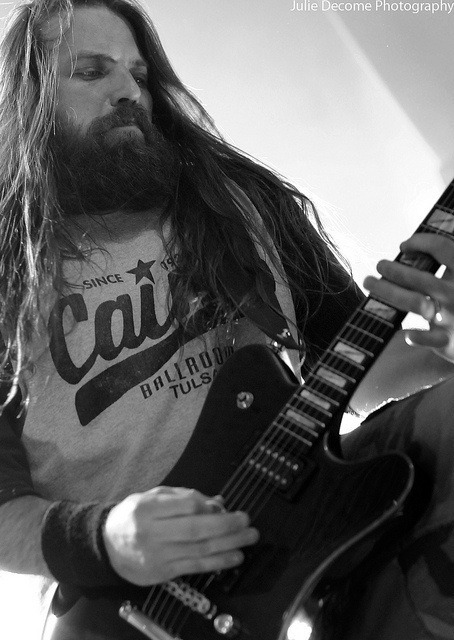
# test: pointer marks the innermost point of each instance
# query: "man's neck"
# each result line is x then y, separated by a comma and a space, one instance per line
117, 226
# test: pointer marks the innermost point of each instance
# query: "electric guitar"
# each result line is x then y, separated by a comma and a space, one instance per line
271, 447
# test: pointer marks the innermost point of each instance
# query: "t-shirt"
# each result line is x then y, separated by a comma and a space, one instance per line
114, 399
115, 396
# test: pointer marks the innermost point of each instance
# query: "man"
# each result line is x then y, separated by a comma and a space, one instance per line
138, 251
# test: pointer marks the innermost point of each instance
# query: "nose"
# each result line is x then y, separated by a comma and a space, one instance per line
125, 88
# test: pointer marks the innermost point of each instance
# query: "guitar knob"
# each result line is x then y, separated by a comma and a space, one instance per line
244, 399
226, 625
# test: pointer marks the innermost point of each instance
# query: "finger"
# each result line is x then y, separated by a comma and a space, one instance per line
215, 505
167, 502
207, 564
411, 278
201, 527
436, 338
212, 546
438, 246
401, 298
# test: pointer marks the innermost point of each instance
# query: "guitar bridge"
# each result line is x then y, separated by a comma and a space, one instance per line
143, 623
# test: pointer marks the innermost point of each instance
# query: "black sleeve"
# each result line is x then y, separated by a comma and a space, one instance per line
15, 477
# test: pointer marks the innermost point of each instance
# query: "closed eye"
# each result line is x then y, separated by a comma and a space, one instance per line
89, 74
95, 74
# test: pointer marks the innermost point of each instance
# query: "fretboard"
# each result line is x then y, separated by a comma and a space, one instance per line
353, 351
281, 454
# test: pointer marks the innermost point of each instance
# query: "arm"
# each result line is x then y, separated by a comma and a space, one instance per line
21, 510
20, 536
399, 371
414, 358
146, 538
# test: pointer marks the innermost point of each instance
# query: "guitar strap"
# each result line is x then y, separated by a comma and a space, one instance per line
261, 311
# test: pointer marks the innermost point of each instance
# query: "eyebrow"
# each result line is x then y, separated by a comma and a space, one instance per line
101, 57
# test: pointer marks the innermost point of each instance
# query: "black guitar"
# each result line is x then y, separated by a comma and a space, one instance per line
319, 516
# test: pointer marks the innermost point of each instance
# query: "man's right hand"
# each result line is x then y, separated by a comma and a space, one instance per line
166, 532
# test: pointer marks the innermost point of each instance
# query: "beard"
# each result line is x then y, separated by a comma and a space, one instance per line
108, 169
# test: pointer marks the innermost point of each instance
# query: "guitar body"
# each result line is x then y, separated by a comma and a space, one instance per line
313, 532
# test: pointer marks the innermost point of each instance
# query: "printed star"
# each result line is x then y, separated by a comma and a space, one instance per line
142, 271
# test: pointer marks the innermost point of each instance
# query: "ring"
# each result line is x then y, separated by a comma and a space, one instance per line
437, 308
216, 504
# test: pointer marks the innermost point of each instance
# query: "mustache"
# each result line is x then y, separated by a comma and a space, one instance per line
124, 114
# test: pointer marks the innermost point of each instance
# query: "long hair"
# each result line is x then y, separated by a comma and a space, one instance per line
208, 224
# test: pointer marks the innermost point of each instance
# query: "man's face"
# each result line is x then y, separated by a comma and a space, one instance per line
109, 155
100, 67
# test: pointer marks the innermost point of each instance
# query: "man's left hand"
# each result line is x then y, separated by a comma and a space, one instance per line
409, 289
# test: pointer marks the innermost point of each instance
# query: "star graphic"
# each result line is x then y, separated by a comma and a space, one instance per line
142, 271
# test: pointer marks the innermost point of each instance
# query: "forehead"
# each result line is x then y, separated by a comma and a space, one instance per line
98, 30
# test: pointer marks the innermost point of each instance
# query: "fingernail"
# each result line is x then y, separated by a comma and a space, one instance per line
215, 505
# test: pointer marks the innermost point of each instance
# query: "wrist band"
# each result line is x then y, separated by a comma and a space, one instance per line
73, 546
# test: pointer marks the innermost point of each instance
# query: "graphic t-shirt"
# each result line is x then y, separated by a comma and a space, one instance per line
114, 399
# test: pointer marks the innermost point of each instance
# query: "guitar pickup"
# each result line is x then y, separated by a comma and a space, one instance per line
280, 468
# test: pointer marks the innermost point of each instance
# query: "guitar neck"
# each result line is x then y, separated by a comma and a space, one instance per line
282, 452
341, 368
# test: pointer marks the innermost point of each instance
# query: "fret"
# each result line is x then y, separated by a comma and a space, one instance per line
365, 332
302, 420
366, 342
350, 351
318, 401
382, 310
375, 317
381, 315
325, 389
334, 375
334, 379
434, 231
301, 408
338, 361
280, 452
441, 220
444, 208
320, 416
295, 435
421, 261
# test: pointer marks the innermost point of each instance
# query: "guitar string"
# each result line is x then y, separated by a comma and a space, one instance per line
368, 323
165, 606
259, 482
177, 604
285, 421
282, 421
371, 325
172, 611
